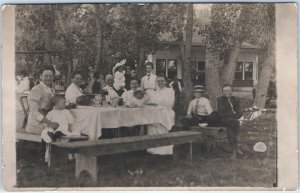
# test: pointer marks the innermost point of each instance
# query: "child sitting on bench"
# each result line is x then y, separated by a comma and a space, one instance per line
199, 108
61, 116
65, 120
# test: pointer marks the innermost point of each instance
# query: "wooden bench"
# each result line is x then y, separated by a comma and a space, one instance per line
22, 134
89, 150
211, 135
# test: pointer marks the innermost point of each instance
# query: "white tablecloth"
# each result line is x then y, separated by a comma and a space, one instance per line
90, 120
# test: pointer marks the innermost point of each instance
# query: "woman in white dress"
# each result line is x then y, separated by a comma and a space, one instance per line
165, 97
22, 86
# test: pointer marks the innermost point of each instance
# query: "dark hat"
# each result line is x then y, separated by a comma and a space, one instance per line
198, 88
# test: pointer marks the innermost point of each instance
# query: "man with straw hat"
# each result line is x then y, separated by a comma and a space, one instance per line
199, 108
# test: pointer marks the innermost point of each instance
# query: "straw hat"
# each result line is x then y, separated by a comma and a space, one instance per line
138, 90
122, 63
260, 147
198, 88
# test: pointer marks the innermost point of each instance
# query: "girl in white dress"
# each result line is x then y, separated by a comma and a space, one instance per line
119, 75
165, 97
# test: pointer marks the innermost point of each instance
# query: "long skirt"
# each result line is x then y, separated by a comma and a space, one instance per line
20, 117
159, 129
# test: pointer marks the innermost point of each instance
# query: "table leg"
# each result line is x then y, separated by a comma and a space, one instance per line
87, 163
142, 130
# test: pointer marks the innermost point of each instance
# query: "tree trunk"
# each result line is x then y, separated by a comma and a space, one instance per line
267, 65
262, 86
265, 76
140, 69
70, 69
68, 50
49, 36
99, 38
187, 56
212, 77
227, 74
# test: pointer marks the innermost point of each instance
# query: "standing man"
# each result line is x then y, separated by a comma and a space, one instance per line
230, 112
148, 82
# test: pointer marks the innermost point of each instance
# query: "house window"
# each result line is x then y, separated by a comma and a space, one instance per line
172, 68
198, 65
198, 72
244, 71
167, 67
161, 66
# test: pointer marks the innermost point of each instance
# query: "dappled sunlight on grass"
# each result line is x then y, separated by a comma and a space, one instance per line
206, 169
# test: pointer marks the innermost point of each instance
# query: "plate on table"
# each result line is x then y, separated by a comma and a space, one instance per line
151, 104
134, 106
131, 106
203, 124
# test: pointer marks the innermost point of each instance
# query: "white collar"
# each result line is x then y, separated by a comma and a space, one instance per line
108, 87
161, 88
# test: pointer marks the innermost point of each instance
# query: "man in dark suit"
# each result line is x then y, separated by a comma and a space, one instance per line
230, 112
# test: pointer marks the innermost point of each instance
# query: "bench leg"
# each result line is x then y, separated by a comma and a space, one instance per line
87, 163
191, 151
211, 143
50, 153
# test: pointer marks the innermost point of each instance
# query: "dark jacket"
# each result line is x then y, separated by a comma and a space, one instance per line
224, 107
96, 88
127, 81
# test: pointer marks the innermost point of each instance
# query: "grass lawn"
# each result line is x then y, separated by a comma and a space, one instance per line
206, 169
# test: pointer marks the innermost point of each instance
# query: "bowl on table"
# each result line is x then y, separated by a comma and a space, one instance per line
202, 124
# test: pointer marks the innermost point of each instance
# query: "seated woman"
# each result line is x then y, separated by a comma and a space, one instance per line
165, 97
40, 103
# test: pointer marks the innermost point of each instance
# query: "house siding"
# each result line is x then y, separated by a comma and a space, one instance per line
198, 54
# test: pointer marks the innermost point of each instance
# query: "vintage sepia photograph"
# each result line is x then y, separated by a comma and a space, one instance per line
145, 95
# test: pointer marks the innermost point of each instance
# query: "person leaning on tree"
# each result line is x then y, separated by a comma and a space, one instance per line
230, 112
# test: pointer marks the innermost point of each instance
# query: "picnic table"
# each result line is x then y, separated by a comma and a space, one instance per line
91, 120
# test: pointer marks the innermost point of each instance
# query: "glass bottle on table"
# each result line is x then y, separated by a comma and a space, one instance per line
98, 99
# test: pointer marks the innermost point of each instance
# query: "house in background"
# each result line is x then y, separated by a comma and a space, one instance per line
246, 73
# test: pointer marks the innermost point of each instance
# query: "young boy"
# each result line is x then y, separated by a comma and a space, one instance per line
230, 112
199, 108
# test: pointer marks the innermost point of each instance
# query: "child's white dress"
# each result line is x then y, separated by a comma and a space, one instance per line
63, 118
119, 80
